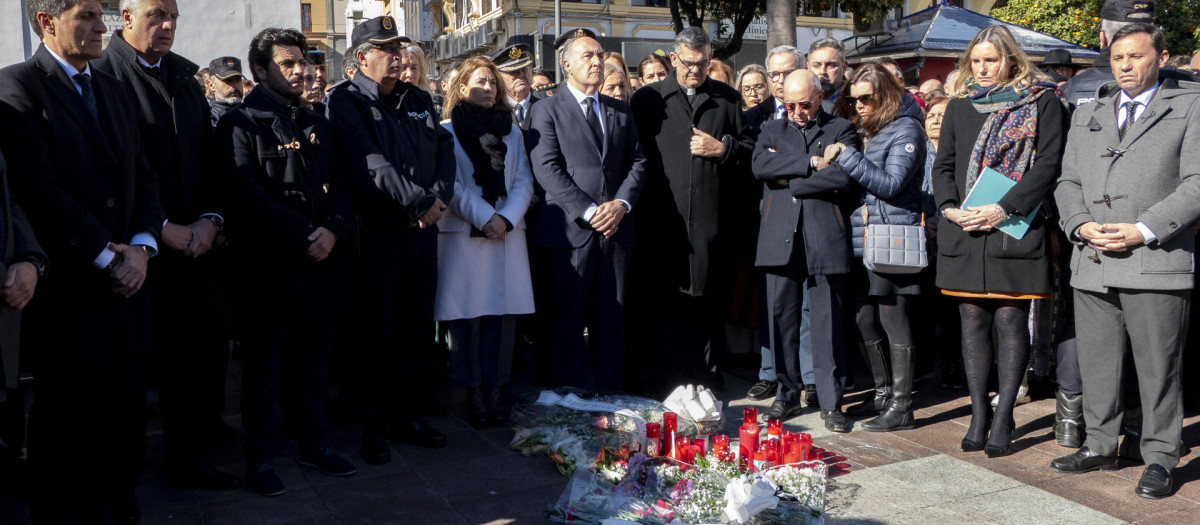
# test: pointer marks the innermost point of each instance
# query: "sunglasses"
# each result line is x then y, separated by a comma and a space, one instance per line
863, 99
803, 104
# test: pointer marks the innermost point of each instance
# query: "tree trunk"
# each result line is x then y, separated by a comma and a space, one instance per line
781, 23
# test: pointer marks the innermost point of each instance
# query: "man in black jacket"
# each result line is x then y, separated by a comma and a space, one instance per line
401, 165
78, 169
803, 240
189, 354
693, 135
289, 210
224, 86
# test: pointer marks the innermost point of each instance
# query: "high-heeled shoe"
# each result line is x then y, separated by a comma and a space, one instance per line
977, 435
993, 450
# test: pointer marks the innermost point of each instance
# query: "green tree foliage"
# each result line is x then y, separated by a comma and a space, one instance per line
1078, 21
869, 9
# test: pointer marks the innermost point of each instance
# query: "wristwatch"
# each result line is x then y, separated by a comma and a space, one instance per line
37, 263
217, 221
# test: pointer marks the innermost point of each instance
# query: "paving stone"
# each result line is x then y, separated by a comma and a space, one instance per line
944, 514
359, 496
1111, 494
459, 444
521, 506
291, 507
873, 494
873, 449
1188, 516
1026, 466
947, 478
1026, 504
467, 478
431, 512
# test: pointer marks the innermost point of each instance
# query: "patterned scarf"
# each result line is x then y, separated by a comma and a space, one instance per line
1008, 141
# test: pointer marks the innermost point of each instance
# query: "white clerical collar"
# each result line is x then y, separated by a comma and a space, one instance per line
691, 92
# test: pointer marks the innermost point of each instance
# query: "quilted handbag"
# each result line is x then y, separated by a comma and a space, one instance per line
894, 248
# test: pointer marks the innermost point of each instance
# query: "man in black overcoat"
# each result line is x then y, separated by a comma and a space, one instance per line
804, 240
77, 167
692, 132
189, 354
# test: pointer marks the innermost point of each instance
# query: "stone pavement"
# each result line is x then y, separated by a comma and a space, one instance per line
918, 476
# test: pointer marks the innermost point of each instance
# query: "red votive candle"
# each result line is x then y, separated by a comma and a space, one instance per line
682, 446
747, 441
653, 439
699, 443
774, 428
720, 442
760, 461
750, 416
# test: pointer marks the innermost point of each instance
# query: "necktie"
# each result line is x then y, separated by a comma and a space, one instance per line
156, 73
1130, 108
89, 96
520, 114
594, 121
780, 111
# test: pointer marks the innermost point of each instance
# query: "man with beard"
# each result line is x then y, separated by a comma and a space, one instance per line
189, 351
692, 132
224, 86
827, 60
401, 165
289, 211
77, 167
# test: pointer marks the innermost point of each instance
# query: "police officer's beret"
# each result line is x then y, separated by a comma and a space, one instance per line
512, 58
572, 35
378, 30
316, 57
1128, 11
225, 68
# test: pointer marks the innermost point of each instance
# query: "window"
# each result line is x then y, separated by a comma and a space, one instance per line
305, 17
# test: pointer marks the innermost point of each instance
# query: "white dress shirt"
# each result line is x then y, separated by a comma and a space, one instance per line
580, 98
1143, 100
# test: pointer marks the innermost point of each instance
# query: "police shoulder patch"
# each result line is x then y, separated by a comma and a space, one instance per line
375, 114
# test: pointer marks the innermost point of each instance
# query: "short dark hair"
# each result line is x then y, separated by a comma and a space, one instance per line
54, 8
262, 48
1156, 35
692, 38
830, 43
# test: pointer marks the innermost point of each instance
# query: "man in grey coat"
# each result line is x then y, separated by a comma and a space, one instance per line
1129, 193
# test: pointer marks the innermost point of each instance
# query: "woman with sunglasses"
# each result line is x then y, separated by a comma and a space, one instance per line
889, 168
1004, 115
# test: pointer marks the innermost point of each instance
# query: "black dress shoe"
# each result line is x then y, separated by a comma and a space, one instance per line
325, 460
375, 448
1084, 460
201, 475
810, 396
418, 433
835, 421
262, 480
1155, 483
782, 410
762, 390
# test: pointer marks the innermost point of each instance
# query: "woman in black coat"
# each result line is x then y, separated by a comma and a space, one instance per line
1005, 117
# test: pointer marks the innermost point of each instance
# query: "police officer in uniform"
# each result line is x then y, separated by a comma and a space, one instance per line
515, 64
402, 168
224, 86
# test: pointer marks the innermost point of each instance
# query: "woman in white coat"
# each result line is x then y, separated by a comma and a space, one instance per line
483, 263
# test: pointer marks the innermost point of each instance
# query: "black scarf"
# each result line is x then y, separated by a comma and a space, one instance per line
481, 134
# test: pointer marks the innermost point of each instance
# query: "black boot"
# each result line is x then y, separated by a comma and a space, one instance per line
1068, 421
899, 413
478, 408
497, 414
872, 352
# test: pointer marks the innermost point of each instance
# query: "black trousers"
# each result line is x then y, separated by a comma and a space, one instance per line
784, 303
285, 365
589, 291
687, 327
189, 356
395, 291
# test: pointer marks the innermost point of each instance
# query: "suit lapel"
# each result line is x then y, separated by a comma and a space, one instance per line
1155, 111
63, 88
575, 112
609, 123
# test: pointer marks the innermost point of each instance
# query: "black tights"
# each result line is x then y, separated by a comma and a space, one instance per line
893, 315
1011, 321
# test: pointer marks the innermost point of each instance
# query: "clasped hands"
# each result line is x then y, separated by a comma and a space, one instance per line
19, 285
1111, 237
977, 218
433, 215
496, 228
607, 217
193, 240
705, 145
129, 272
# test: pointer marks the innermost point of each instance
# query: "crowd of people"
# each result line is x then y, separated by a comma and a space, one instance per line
599, 233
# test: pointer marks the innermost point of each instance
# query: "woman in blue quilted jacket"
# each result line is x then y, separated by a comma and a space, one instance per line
889, 171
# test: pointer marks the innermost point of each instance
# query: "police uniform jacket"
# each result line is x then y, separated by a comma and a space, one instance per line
284, 183
400, 157
809, 213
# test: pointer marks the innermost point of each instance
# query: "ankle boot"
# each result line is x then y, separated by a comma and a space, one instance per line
899, 414
478, 408
1068, 421
873, 354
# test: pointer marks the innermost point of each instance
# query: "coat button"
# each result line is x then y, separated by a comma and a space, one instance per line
1173, 225
73, 241
111, 203
795, 200
785, 241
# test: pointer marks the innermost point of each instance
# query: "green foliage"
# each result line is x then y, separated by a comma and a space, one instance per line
1078, 21
869, 9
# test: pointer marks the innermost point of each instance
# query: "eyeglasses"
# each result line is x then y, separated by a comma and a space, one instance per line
778, 76
691, 66
803, 104
864, 99
753, 88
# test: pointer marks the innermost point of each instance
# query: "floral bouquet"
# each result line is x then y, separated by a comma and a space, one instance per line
662, 491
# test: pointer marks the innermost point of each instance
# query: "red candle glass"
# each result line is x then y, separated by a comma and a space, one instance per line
747, 441
774, 428
682, 447
720, 442
750, 416
699, 443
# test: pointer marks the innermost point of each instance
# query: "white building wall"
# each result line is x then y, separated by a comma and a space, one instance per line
207, 28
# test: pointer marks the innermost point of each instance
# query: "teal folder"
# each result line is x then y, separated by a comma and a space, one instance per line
989, 189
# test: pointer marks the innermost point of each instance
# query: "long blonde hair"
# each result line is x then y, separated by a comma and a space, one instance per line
1018, 70
465, 70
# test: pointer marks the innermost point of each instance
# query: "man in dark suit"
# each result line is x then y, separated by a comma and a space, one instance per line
189, 352
77, 165
804, 241
22, 262
290, 222
587, 158
402, 167
515, 64
693, 135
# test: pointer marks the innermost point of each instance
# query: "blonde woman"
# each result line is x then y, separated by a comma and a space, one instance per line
483, 263
1005, 115
412, 67
616, 83
752, 83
